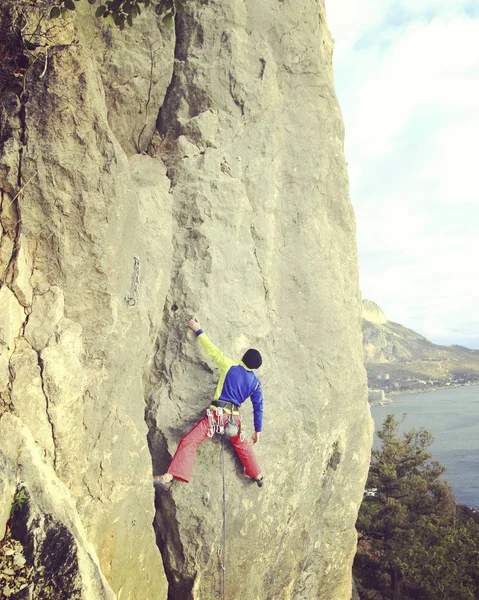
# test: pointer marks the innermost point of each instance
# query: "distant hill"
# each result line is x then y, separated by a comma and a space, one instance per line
399, 360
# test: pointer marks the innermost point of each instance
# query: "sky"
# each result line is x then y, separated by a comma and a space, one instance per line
407, 79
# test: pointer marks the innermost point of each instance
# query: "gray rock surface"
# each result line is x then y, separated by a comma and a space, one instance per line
135, 66
239, 214
7, 492
47, 312
268, 134
12, 316
64, 562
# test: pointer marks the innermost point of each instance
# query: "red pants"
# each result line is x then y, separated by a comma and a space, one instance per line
181, 467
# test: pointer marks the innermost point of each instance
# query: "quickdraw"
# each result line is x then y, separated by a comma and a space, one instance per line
215, 421
132, 298
216, 424
211, 423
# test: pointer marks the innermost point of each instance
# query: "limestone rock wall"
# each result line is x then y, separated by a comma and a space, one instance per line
76, 211
62, 560
264, 252
239, 213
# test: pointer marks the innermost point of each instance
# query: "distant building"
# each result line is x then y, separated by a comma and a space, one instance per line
376, 396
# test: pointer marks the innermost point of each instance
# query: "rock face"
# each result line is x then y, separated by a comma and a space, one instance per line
239, 213
373, 314
63, 563
399, 360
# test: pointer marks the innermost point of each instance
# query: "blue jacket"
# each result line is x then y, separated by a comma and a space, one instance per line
237, 382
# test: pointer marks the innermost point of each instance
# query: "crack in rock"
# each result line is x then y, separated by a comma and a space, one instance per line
41, 366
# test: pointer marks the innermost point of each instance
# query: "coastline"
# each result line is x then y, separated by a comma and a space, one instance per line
391, 393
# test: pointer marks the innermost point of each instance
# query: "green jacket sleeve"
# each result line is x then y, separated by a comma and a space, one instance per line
212, 351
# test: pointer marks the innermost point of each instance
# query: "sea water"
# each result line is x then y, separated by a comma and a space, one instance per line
452, 417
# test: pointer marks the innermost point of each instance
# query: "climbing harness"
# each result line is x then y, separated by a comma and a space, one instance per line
216, 425
132, 299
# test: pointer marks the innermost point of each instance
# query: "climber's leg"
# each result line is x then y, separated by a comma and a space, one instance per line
246, 456
181, 467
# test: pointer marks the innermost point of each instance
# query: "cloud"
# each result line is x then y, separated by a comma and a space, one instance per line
416, 81
407, 77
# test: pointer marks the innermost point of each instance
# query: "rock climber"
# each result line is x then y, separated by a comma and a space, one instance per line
237, 383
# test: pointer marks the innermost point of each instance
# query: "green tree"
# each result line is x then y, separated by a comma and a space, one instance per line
445, 564
123, 12
27, 27
410, 526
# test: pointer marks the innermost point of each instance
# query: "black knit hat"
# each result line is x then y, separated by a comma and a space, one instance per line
252, 359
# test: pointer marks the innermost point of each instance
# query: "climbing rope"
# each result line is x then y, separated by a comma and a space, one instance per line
222, 551
224, 512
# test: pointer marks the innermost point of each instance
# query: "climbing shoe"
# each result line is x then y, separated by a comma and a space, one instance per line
260, 482
161, 484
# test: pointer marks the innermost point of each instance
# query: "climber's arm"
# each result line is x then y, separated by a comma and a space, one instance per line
257, 400
211, 350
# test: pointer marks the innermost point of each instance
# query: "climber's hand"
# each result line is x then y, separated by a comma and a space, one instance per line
194, 324
254, 438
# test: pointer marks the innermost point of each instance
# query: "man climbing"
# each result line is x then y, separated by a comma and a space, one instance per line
237, 383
